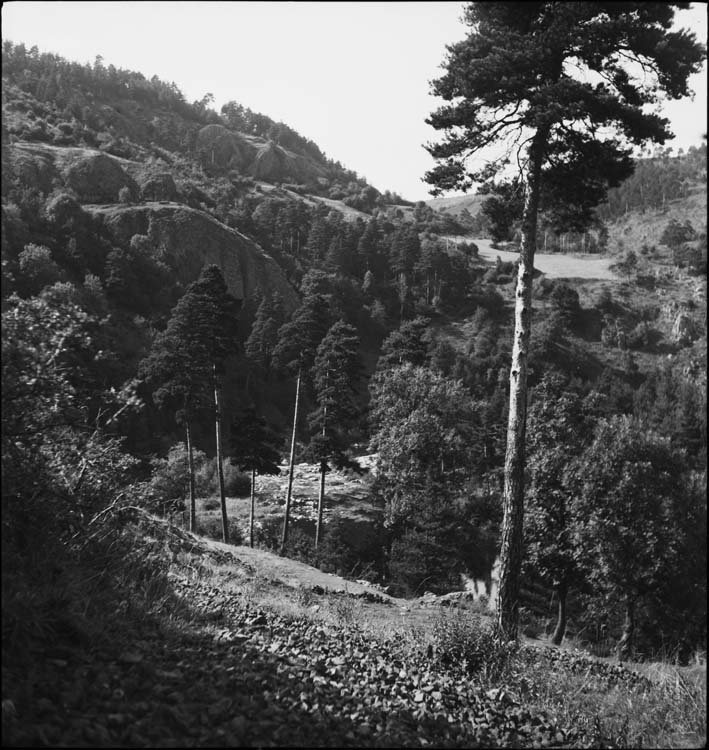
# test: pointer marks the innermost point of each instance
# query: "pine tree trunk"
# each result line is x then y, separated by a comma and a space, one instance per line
284, 538
513, 495
253, 507
220, 468
624, 649
190, 467
321, 500
558, 637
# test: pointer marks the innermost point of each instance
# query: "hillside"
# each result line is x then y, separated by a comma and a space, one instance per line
455, 205
220, 650
194, 303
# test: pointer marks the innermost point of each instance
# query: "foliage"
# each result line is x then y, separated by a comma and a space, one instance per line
420, 427
632, 510
254, 445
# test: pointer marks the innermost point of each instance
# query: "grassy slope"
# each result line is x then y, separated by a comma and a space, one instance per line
184, 642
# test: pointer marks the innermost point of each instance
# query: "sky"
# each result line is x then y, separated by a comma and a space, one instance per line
354, 77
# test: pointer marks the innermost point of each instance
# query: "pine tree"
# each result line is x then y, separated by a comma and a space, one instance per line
408, 343
188, 361
254, 449
336, 372
513, 77
294, 355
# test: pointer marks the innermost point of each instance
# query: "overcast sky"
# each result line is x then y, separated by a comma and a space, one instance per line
351, 76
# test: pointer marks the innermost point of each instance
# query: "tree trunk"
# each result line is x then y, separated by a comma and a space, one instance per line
624, 649
220, 468
253, 507
321, 500
560, 630
190, 468
513, 496
284, 538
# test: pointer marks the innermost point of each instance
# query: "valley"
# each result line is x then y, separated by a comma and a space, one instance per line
192, 298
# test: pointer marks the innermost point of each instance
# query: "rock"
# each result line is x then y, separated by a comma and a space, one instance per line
159, 187
684, 330
98, 178
193, 239
222, 147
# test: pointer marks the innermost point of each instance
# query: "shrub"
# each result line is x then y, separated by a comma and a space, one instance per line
300, 546
212, 527
642, 336
211, 503
236, 483
419, 561
468, 642
267, 532
351, 548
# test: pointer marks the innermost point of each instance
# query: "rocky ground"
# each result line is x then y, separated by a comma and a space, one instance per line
213, 667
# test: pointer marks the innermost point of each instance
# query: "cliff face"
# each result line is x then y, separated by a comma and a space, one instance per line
190, 238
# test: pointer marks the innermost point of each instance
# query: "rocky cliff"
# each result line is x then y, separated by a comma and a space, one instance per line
190, 238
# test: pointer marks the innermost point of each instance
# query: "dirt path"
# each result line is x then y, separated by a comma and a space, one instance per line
294, 573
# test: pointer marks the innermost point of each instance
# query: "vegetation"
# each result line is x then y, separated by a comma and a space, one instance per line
513, 72
147, 391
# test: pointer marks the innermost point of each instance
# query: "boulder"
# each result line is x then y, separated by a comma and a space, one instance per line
33, 166
159, 187
684, 329
98, 178
222, 147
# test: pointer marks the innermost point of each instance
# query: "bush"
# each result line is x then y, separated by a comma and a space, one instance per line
236, 483
300, 545
212, 527
419, 562
267, 533
351, 548
470, 643
642, 336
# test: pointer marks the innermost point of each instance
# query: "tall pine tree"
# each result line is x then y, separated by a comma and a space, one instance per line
566, 84
188, 361
336, 372
294, 354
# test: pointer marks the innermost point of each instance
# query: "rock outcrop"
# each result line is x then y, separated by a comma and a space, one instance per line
684, 329
98, 178
159, 187
222, 147
191, 239
264, 160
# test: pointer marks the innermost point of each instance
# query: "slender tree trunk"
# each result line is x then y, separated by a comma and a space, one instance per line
558, 637
284, 538
321, 501
624, 649
513, 495
253, 507
321, 495
190, 467
220, 468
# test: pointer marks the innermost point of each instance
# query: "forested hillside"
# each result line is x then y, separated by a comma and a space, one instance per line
180, 285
